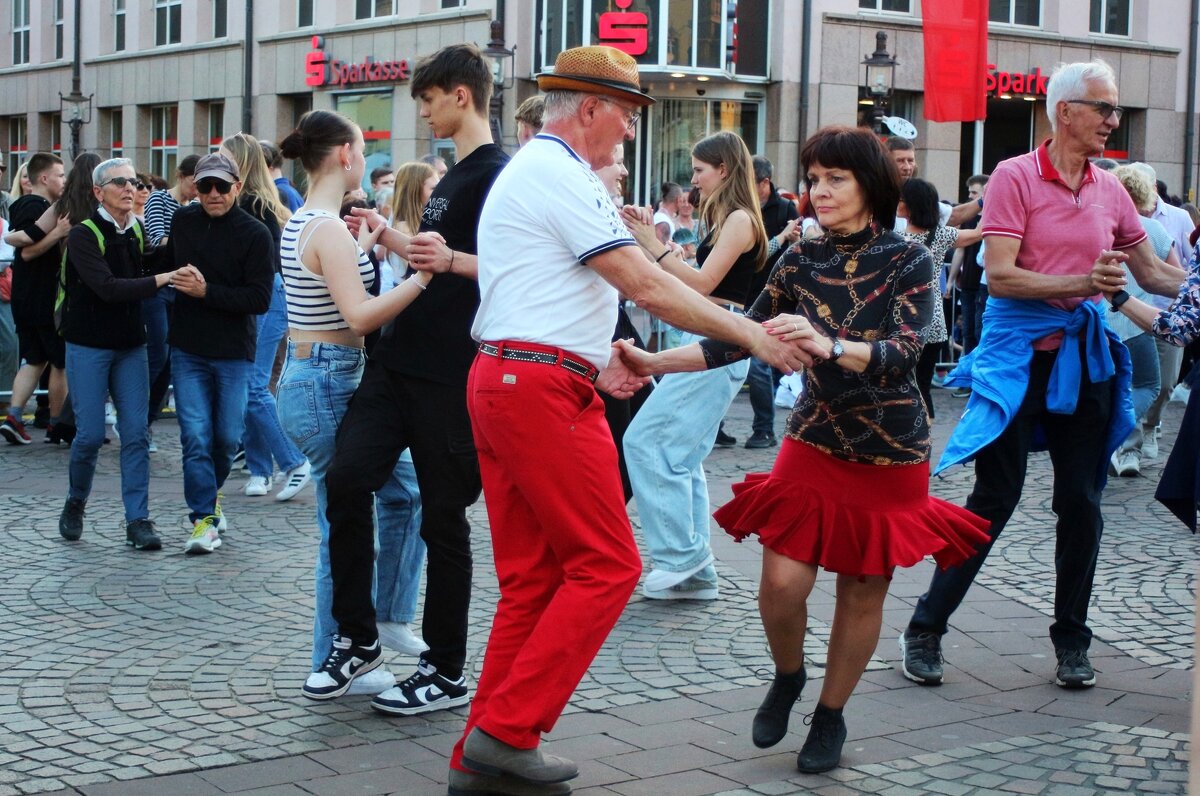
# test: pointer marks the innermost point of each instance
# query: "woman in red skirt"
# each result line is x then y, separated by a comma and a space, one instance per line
850, 490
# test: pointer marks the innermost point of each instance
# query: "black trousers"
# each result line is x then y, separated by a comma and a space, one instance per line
1076, 444
390, 412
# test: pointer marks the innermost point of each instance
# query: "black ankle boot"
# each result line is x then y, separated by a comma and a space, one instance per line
771, 720
822, 749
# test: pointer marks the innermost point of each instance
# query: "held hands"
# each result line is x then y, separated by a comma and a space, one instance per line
640, 223
1108, 276
164, 279
791, 233
61, 228
368, 237
427, 251
797, 331
636, 360
189, 281
619, 379
359, 216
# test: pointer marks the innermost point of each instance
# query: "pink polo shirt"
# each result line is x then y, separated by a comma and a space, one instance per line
1061, 232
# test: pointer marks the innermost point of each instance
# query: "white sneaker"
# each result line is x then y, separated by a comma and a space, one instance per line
1128, 465
150, 446
373, 682
1181, 394
399, 636
205, 537
257, 486
110, 414
1150, 443
294, 480
222, 523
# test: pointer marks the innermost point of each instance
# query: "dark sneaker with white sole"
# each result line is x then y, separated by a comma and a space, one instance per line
1074, 669
70, 522
346, 661
141, 535
423, 692
922, 657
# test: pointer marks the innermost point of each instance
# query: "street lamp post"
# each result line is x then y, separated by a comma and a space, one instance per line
880, 80
502, 76
75, 108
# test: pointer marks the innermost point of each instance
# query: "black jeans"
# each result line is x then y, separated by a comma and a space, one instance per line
926, 365
390, 412
1076, 444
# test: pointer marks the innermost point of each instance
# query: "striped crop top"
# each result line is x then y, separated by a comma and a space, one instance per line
309, 304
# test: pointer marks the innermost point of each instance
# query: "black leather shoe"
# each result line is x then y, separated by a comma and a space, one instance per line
761, 440
725, 440
70, 522
822, 749
771, 720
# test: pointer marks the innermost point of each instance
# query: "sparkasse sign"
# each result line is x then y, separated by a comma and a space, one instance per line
321, 69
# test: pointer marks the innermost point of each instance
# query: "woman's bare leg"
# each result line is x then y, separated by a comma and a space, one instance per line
857, 616
782, 604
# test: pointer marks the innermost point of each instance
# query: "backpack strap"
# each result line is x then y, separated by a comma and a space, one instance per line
60, 297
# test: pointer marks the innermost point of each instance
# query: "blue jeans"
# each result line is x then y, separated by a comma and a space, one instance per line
155, 313
762, 396
92, 375
10, 359
1146, 385
665, 448
264, 438
313, 394
210, 402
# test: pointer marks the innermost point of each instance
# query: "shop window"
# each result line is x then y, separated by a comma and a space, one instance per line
164, 140
59, 24
20, 32
54, 126
562, 27
116, 133
1016, 12
18, 143
1117, 146
899, 6
901, 104
118, 25
452, 3
369, 9
220, 19
304, 13
372, 112
216, 125
168, 22
1110, 17
675, 127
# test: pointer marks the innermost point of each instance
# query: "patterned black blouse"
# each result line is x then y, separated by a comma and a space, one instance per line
871, 287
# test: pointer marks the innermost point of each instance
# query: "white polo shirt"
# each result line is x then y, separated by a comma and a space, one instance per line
546, 215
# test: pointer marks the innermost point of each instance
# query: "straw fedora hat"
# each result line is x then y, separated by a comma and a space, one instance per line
596, 70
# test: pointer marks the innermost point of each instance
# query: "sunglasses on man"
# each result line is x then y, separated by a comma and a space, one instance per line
206, 185
121, 182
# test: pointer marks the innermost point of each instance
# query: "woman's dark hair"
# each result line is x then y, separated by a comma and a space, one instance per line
78, 202
350, 204
922, 201
317, 134
271, 155
857, 150
187, 166
694, 198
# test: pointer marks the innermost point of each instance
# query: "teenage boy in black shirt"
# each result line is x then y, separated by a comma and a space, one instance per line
413, 395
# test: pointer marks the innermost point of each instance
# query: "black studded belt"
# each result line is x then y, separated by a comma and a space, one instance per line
519, 354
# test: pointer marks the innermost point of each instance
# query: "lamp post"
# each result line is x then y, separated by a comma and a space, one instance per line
880, 80
75, 108
502, 76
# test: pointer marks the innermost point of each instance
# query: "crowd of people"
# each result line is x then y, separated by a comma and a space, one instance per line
458, 331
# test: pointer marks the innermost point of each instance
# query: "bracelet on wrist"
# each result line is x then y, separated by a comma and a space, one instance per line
417, 282
451, 268
658, 259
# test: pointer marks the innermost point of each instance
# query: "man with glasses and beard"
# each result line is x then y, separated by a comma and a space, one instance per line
225, 273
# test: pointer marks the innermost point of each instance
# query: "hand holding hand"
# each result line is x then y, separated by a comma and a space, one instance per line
640, 223
427, 251
1108, 275
636, 359
780, 347
792, 232
617, 379
368, 238
359, 215
61, 228
189, 281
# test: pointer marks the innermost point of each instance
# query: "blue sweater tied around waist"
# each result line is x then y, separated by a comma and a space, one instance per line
997, 373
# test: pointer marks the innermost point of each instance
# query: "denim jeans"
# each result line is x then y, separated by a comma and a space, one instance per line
154, 316
92, 375
1170, 358
314, 392
968, 298
264, 438
10, 358
1146, 386
665, 448
210, 402
762, 396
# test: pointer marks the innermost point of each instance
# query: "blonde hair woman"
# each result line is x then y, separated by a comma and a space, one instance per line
664, 455
415, 182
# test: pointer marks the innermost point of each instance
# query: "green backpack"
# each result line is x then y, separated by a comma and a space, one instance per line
60, 300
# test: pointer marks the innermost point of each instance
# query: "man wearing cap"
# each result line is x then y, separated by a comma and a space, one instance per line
224, 259
552, 255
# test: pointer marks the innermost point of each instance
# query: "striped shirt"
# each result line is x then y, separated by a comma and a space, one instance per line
160, 210
309, 304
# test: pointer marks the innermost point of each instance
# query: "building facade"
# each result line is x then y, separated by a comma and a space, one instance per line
171, 77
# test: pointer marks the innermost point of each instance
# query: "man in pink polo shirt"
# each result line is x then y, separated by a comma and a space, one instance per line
1050, 216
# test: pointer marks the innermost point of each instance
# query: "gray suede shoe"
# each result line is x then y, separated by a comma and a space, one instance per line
468, 783
487, 755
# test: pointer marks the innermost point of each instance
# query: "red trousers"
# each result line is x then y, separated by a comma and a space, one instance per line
564, 550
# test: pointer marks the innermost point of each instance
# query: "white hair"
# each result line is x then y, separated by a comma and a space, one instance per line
101, 171
562, 104
1070, 81
1148, 170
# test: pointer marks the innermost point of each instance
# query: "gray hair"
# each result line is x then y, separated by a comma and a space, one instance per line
101, 171
562, 105
762, 168
1148, 170
1070, 81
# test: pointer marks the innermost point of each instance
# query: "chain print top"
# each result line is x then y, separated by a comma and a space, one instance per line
871, 287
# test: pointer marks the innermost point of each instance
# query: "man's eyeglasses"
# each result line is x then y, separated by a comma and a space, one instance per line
203, 187
631, 117
1105, 109
121, 182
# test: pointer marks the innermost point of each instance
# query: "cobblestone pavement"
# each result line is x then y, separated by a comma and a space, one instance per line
158, 673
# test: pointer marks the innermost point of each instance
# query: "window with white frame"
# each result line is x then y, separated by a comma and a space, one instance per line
20, 32
220, 18
304, 13
1110, 17
216, 125
116, 132
899, 6
168, 22
18, 143
164, 140
118, 25
1015, 12
59, 45
55, 124
369, 9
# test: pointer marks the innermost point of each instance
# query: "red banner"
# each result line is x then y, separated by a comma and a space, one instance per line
955, 59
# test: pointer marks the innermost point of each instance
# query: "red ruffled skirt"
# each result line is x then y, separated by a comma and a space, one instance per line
847, 517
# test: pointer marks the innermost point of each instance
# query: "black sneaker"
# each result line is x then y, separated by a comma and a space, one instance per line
141, 535
424, 692
822, 749
922, 657
70, 522
771, 720
1074, 669
346, 661
60, 432
725, 440
760, 439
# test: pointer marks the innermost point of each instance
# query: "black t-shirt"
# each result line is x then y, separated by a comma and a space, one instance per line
35, 283
432, 338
